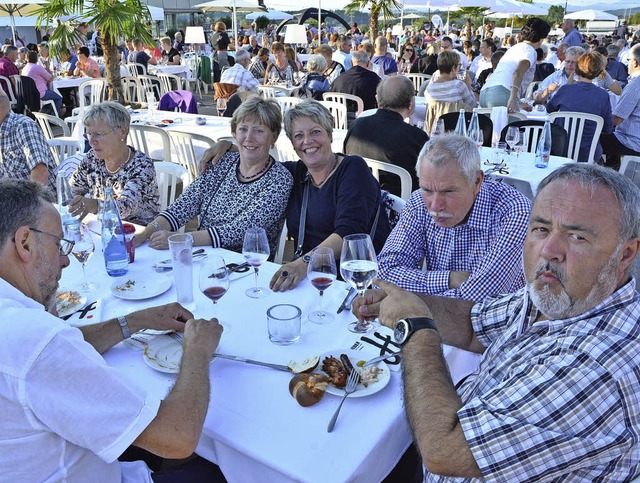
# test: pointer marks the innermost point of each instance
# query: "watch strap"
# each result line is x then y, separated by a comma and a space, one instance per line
418, 323
124, 327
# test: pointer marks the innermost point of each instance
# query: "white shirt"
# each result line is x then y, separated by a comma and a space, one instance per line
342, 58
66, 415
479, 64
503, 75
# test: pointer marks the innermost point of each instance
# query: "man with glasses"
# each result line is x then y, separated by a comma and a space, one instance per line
563, 76
343, 54
24, 152
446, 44
67, 415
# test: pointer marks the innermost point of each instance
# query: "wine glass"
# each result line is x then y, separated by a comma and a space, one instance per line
321, 272
256, 251
512, 137
82, 250
214, 279
221, 105
437, 128
358, 267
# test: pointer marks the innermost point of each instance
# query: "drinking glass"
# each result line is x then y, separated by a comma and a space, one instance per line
438, 127
512, 137
221, 105
520, 147
321, 272
358, 267
214, 279
82, 251
152, 103
498, 149
256, 251
181, 246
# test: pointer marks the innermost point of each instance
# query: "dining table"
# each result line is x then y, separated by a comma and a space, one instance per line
254, 429
181, 70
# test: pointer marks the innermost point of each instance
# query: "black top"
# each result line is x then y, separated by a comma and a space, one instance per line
400, 144
427, 64
360, 82
168, 56
346, 204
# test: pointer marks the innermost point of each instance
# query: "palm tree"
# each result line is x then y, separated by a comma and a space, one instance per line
114, 20
377, 7
470, 12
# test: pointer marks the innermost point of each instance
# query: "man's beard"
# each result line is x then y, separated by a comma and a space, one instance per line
563, 306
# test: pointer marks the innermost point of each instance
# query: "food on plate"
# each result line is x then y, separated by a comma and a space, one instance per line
346, 363
308, 389
369, 375
127, 286
305, 366
66, 301
334, 368
166, 121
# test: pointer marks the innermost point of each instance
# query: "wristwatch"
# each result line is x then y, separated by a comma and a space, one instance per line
306, 258
406, 327
124, 327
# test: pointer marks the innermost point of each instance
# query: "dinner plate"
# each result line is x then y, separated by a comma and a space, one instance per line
140, 288
163, 354
70, 306
355, 357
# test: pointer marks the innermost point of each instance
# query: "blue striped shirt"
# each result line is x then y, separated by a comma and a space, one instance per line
489, 246
628, 108
554, 400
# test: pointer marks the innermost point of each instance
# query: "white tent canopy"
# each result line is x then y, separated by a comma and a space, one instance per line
271, 14
591, 14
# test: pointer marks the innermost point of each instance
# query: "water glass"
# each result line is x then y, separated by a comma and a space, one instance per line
182, 263
498, 149
283, 324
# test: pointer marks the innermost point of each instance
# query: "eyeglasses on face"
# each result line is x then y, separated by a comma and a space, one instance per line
97, 136
64, 246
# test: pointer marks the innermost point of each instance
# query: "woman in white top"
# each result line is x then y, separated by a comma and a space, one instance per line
515, 71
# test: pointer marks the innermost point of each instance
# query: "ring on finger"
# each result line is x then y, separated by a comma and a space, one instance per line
284, 274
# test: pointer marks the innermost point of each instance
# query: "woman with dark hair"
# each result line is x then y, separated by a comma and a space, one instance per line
515, 71
584, 96
407, 58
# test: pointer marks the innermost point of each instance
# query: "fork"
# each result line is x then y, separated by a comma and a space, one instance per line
352, 384
175, 336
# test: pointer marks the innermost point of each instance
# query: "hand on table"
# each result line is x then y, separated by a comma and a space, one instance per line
202, 334
164, 317
159, 240
80, 206
399, 304
288, 276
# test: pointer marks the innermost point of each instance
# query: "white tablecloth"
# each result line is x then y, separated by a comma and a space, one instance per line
181, 70
254, 429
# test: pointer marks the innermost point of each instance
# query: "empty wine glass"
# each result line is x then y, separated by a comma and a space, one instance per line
358, 267
82, 251
512, 137
214, 279
221, 105
256, 251
321, 272
438, 127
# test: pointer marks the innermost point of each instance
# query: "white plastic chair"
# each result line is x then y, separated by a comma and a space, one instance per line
574, 122
344, 99
418, 80
148, 139
47, 123
188, 153
132, 67
131, 89
169, 82
405, 178
149, 83
62, 149
91, 91
339, 113
630, 167
287, 103
168, 176
13, 101
272, 91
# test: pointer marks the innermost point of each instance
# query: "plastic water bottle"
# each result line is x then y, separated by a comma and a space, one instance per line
116, 258
543, 150
461, 126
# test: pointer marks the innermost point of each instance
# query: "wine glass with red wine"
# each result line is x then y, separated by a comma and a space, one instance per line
214, 279
321, 273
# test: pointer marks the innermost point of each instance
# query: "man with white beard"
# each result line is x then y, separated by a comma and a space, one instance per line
555, 397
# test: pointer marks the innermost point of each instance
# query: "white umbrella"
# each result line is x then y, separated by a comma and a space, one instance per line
17, 8
518, 9
234, 6
271, 14
591, 14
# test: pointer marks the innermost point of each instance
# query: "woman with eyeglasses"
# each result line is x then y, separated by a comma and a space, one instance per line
407, 58
111, 162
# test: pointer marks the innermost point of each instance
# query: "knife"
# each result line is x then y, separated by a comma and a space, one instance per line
382, 358
348, 300
168, 260
280, 367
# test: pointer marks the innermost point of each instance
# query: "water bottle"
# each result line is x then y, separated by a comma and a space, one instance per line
65, 196
116, 258
461, 126
544, 146
474, 128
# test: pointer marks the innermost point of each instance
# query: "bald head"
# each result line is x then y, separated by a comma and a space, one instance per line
381, 46
395, 93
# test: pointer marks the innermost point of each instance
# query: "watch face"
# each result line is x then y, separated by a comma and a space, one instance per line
400, 332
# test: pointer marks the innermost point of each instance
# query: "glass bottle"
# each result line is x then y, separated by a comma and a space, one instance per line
461, 126
543, 150
116, 258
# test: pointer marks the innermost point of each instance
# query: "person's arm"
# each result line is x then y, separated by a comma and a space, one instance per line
105, 335
213, 154
40, 173
176, 429
175, 60
140, 173
516, 82
36, 152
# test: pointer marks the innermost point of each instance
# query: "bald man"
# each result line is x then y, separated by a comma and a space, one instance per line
572, 37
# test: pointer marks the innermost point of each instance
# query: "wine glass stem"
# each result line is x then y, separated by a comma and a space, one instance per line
361, 294
321, 292
84, 275
256, 270
214, 312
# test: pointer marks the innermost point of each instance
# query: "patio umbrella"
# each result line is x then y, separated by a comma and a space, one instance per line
591, 14
271, 14
17, 8
234, 6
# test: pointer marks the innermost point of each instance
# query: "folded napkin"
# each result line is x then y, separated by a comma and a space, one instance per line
499, 118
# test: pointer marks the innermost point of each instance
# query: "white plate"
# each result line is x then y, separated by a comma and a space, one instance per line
354, 357
142, 288
70, 308
163, 354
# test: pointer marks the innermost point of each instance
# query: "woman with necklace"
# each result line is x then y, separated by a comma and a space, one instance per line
281, 69
343, 196
244, 189
110, 162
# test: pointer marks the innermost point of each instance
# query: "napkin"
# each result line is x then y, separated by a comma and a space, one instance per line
499, 118
378, 343
89, 314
